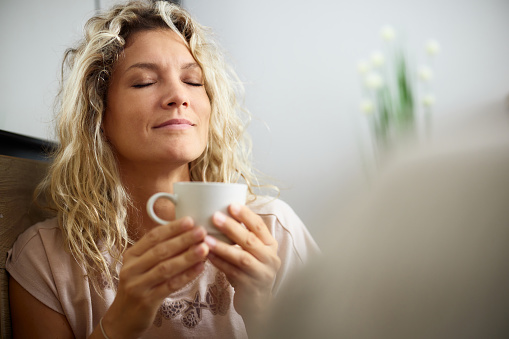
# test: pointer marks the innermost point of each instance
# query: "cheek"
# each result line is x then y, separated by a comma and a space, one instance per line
109, 113
207, 108
105, 125
206, 122
114, 126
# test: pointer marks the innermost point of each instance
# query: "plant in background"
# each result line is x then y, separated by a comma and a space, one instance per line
390, 93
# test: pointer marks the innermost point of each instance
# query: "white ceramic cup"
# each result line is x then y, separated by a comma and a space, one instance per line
200, 200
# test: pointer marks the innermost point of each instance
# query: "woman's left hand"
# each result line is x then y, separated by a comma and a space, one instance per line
251, 266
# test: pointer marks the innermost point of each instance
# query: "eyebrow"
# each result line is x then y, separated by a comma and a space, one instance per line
190, 65
155, 67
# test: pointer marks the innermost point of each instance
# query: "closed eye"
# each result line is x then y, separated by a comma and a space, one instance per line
143, 85
195, 84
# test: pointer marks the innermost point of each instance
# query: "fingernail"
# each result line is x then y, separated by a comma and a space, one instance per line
201, 250
187, 222
219, 218
210, 241
235, 208
198, 232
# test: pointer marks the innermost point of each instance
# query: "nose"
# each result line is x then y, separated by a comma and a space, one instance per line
175, 96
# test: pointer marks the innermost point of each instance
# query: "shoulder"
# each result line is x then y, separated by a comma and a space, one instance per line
285, 225
265, 205
31, 240
278, 216
30, 261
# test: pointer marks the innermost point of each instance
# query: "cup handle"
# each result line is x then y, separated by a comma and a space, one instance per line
152, 201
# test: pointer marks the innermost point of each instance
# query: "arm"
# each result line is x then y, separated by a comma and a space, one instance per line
160, 263
32, 319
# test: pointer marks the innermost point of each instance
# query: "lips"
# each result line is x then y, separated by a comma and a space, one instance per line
176, 123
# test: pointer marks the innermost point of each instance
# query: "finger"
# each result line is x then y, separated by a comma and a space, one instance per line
176, 283
182, 279
232, 260
172, 267
165, 250
168, 270
159, 234
252, 221
246, 239
233, 230
234, 275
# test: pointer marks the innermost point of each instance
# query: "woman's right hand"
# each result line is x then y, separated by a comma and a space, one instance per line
161, 262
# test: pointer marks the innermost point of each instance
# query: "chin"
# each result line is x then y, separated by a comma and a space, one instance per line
183, 157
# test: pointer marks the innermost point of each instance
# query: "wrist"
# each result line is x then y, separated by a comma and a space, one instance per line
102, 329
113, 329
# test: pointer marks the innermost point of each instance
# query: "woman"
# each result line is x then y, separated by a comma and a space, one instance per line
148, 101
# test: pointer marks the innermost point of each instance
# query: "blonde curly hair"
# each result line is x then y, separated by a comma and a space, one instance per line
83, 185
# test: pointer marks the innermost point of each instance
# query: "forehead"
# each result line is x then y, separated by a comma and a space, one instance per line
159, 45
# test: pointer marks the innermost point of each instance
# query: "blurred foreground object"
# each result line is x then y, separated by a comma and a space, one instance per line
424, 255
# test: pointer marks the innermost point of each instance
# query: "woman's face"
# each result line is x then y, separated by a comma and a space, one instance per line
157, 109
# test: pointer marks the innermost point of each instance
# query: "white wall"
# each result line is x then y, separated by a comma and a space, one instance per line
34, 35
298, 59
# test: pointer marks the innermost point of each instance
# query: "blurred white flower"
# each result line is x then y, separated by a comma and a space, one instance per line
387, 33
428, 100
377, 58
432, 47
363, 67
425, 73
373, 81
367, 106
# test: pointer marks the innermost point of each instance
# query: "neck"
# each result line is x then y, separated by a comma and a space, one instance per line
141, 182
